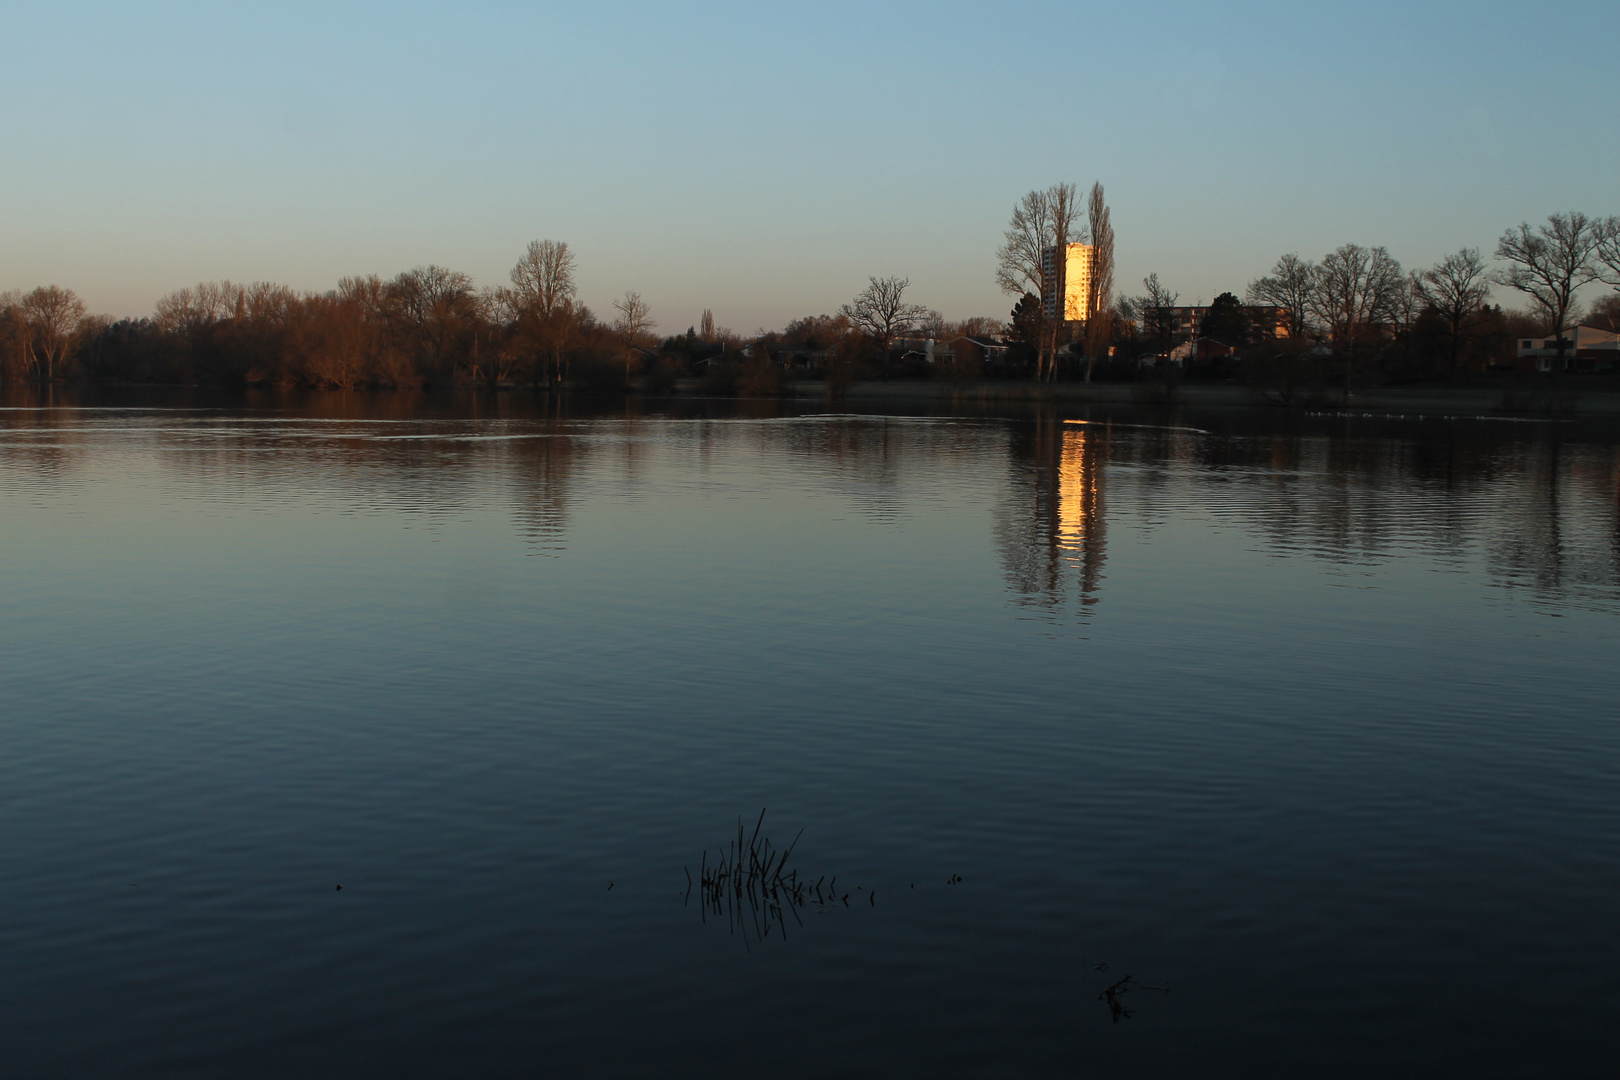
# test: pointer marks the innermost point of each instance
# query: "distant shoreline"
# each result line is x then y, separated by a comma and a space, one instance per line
1504, 401
1550, 398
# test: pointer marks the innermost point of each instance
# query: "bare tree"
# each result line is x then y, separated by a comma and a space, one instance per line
189, 311
1605, 313
437, 311
1153, 308
377, 355
369, 292
1357, 288
265, 302
1291, 286
54, 316
16, 339
932, 325
543, 278
492, 329
706, 326
1019, 265
882, 314
1067, 227
336, 340
635, 319
258, 330
1407, 303
1608, 251
1456, 288
1551, 263
542, 302
92, 342
1029, 231
1041, 220
976, 326
1100, 313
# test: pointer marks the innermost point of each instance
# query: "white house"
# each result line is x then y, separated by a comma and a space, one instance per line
1586, 348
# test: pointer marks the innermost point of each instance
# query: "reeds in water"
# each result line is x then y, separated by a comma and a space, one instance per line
751, 886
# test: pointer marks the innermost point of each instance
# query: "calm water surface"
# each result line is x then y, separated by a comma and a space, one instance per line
1310, 720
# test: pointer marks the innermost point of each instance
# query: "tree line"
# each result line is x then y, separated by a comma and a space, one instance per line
1358, 299
432, 326
425, 326
1358, 307
1356, 310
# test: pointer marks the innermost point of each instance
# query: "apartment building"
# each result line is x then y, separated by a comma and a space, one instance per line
1066, 273
1187, 323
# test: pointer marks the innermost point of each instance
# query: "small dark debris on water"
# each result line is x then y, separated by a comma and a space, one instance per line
1114, 996
610, 886
340, 888
954, 879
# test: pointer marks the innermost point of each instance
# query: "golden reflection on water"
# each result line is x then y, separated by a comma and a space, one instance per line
1052, 530
1081, 533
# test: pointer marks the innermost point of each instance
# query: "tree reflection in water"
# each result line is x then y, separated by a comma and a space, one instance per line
1532, 507
544, 473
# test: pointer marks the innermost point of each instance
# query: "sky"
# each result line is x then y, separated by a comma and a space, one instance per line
763, 160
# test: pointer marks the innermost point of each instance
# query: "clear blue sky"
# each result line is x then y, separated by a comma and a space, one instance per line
764, 159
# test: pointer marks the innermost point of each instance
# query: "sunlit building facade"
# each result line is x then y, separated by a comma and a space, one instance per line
1066, 273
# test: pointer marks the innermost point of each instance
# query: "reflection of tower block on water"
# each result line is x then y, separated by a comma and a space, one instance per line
1066, 272
1080, 533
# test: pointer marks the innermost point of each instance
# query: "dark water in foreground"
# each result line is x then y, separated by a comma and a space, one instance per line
1312, 721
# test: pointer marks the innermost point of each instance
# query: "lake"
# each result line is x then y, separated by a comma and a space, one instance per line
1137, 741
